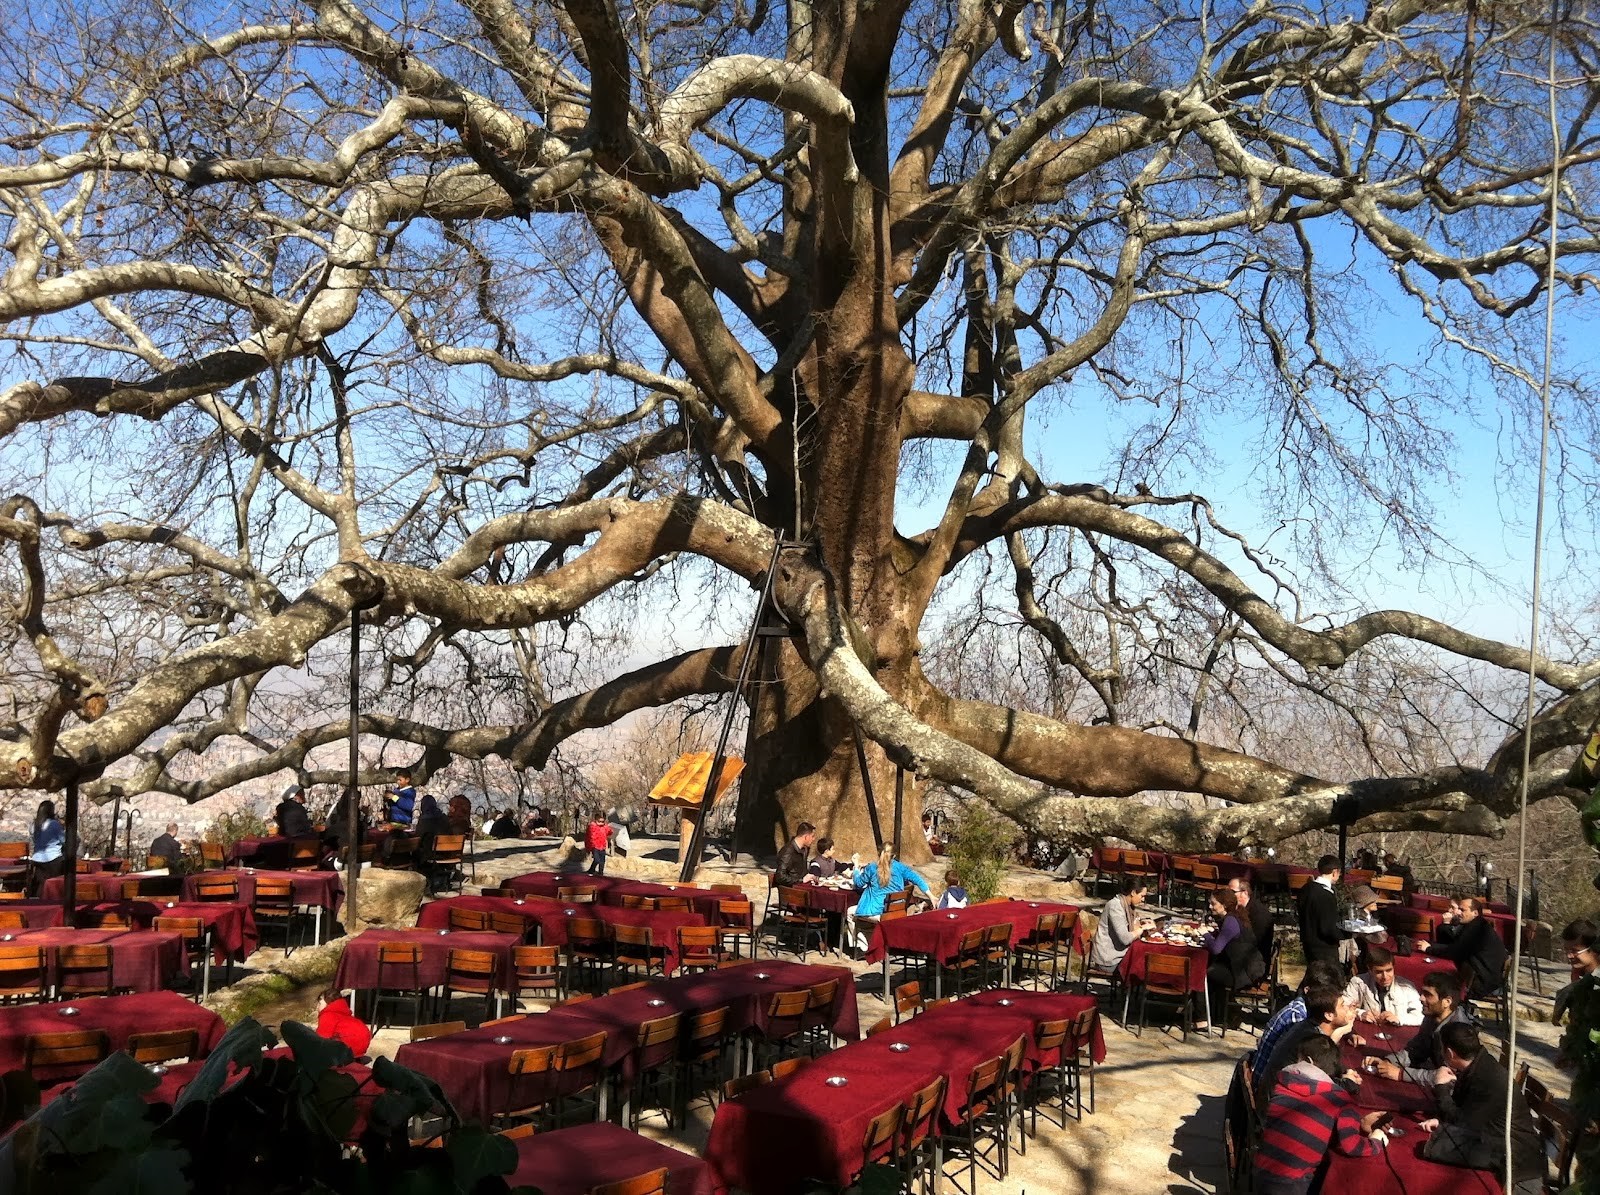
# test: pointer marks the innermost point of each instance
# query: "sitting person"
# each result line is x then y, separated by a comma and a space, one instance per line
1119, 927
536, 824
793, 862
166, 846
400, 804
290, 816
1310, 1111
1318, 975
336, 1022
955, 896
1255, 914
1235, 962
1470, 1130
823, 865
1475, 949
504, 826
1327, 1013
1380, 996
1441, 1006
1354, 950
876, 884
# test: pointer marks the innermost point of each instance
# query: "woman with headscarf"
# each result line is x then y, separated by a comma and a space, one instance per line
876, 884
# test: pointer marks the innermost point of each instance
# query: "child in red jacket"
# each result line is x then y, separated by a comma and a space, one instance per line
597, 838
336, 1022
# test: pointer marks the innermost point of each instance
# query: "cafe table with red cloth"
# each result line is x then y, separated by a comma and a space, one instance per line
1505, 924
141, 960
320, 891
1133, 964
471, 1068
119, 1016
574, 1160
552, 918
937, 933
774, 1138
1417, 967
358, 965
609, 890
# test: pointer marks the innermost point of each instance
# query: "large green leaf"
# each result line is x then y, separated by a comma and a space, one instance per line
316, 1055
406, 1094
242, 1046
104, 1109
332, 1104
477, 1153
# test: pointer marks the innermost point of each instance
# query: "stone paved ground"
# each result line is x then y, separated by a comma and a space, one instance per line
1158, 1124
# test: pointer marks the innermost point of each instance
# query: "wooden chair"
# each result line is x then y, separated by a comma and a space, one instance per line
1038, 953
699, 948
1167, 976
703, 1057
166, 1045
818, 1020
785, 1067
1391, 890
907, 1000
468, 920
196, 945
653, 1183
104, 919
399, 979
738, 925
24, 976
918, 1149
531, 1083
217, 888
400, 853
55, 1057
880, 1142
1080, 1047
634, 951
655, 1057
13, 919
882, 1025
536, 970
13, 850
581, 1057
84, 971
969, 967
576, 896
670, 904
786, 1013
212, 856
447, 866
588, 949
794, 917
305, 854
733, 1088
726, 889
985, 1120
1206, 879
440, 1029
510, 923
1355, 878
1258, 997
470, 973
275, 905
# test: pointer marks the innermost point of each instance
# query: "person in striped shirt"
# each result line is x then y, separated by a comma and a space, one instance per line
1310, 1113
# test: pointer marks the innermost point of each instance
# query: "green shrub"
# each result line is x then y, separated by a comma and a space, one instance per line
979, 848
229, 828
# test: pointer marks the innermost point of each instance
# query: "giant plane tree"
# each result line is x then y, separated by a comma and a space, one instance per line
503, 321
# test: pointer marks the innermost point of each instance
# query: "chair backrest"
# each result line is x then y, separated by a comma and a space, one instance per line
922, 1111
587, 932
580, 1052
508, 923
274, 895
164, 1045
653, 1183
512, 1019
104, 919
1050, 1035
192, 928
634, 936
439, 1029
13, 850
658, 1032
670, 904
470, 967
575, 998
784, 1005
399, 954
90, 957
882, 1130
12, 919
211, 854
536, 961
1555, 1125
83, 1047
821, 996
730, 889
997, 935
708, 1026
739, 1084
735, 913
1353, 878
1083, 1029
787, 1066
576, 896
698, 939
882, 1025
1206, 873
533, 1060
220, 888
1394, 884
983, 1082
1298, 880
908, 997
1167, 970
971, 942
468, 919
630, 987
22, 971
895, 906
632, 900
448, 844
794, 896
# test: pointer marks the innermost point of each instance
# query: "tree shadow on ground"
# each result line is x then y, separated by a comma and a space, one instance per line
1198, 1160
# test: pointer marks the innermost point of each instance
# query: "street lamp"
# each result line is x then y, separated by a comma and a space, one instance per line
1482, 870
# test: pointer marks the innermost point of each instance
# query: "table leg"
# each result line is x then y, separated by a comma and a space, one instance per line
938, 980
887, 995
1208, 1008
317, 932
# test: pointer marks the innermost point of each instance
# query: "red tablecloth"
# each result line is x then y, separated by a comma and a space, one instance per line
937, 933
119, 1016
831, 900
358, 965
774, 1138
1505, 924
571, 1161
471, 1067
1133, 963
1395, 1095
1417, 967
552, 918
95, 886
315, 889
141, 960
436, 913
37, 914
609, 890
232, 923
1402, 1170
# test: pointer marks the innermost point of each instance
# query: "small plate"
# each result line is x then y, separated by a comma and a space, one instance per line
155, 1068
1005, 1003
952, 916
570, 912
502, 1040
899, 1047
836, 1081
68, 1011
655, 1003
443, 932
762, 975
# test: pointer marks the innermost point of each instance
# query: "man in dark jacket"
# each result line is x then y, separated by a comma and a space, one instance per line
291, 816
166, 846
1441, 1008
1319, 913
1477, 947
1471, 1127
1257, 914
792, 861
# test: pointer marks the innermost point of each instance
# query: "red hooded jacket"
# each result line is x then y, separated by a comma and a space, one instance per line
337, 1022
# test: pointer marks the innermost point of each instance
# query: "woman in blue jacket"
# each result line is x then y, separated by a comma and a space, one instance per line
876, 884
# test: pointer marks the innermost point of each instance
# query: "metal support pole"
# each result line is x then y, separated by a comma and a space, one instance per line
872, 800
69, 852
1344, 833
116, 817
691, 858
352, 859
899, 804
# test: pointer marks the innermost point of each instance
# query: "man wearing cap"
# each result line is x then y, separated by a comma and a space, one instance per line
1357, 949
290, 815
